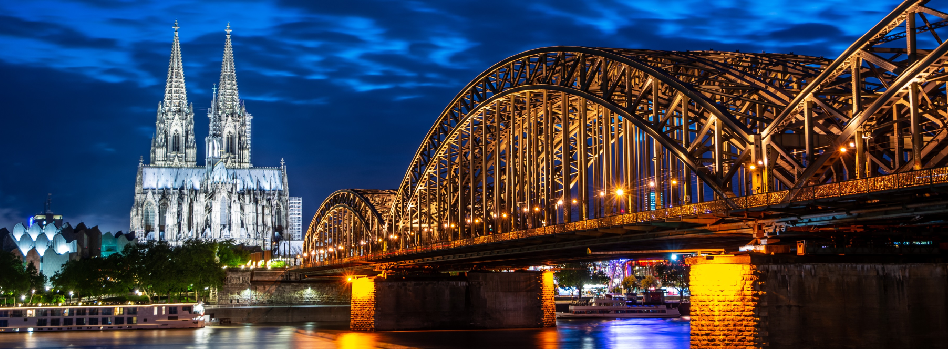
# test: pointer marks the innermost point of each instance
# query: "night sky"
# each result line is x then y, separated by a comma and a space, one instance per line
344, 91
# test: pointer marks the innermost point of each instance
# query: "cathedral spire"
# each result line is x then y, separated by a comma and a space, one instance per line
173, 143
228, 100
176, 96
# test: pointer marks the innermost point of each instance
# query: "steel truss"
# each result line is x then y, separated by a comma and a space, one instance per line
568, 134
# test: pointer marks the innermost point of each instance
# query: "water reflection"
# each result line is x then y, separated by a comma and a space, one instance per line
623, 333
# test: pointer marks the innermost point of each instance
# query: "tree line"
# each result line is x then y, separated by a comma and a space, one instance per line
152, 270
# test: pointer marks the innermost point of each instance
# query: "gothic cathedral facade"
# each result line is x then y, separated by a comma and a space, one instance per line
225, 198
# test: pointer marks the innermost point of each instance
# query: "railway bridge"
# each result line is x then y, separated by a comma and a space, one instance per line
584, 153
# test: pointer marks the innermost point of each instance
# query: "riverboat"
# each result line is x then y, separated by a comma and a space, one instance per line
101, 317
617, 308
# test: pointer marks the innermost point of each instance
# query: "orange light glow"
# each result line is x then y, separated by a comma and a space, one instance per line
620, 192
842, 149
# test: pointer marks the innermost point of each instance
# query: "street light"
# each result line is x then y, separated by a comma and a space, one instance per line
619, 192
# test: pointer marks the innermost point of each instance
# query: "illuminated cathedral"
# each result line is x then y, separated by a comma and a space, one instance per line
226, 197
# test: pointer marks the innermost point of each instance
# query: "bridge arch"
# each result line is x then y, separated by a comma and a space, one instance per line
348, 221
641, 99
564, 134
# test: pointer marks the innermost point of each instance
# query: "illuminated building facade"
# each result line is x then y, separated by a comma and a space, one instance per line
224, 198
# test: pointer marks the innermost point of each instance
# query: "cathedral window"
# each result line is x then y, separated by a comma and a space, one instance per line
225, 212
278, 219
176, 142
162, 216
231, 146
149, 218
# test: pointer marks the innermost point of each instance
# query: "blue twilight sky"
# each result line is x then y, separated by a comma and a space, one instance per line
343, 90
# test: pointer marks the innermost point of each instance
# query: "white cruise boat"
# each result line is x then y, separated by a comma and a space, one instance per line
101, 317
617, 308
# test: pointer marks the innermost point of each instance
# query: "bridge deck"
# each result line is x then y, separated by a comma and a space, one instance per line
715, 224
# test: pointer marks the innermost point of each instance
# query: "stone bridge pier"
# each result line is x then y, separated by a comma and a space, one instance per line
851, 301
473, 300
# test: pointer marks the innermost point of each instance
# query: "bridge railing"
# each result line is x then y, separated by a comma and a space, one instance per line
896, 181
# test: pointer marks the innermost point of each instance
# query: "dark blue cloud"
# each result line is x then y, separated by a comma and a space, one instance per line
342, 90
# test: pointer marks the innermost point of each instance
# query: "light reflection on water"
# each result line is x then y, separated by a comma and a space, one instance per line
574, 333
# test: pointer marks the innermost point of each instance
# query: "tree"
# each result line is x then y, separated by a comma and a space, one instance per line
674, 275
629, 284
232, 255
200, 264
92, 277
579, 274
648, 282
14, 279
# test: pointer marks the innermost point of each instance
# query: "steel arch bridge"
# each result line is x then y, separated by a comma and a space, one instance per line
563, 139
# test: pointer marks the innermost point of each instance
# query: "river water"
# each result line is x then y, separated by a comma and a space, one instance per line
573, 333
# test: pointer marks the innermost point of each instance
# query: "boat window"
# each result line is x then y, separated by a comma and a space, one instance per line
41, 322
132, 320
93, 321
131, 311
43, 312
30, 312
172, 317
93, 311
3, 323
186, 309
81, 312
80, 321
54, 322
119, 311
106, 321
172, 310
56, 312
67, 322
119, 320
106, 311
67, 312
4, 313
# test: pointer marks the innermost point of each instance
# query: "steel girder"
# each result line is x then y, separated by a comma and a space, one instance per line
358, 210
563, 134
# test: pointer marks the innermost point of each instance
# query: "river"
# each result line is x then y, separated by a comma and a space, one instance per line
573, 333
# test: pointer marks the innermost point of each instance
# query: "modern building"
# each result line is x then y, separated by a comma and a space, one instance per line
226, 197
296, 219
50, 244
47, 216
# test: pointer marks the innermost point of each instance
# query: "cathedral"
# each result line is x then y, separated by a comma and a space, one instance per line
226, 197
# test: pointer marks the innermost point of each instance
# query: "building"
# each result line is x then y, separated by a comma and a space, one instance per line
49, 244
47, 216
226, 197
296, 219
